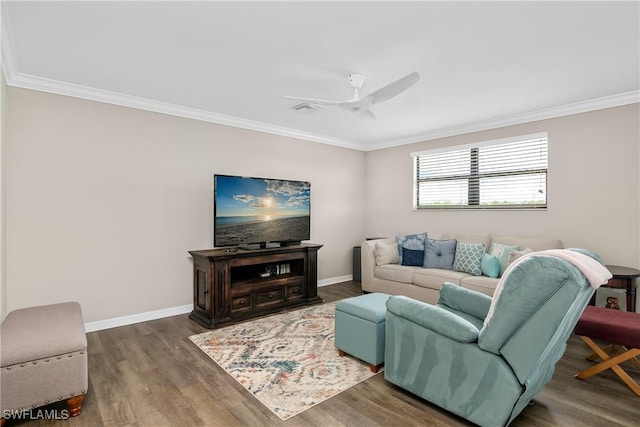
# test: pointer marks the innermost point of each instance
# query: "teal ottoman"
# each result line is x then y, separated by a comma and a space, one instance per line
360, 328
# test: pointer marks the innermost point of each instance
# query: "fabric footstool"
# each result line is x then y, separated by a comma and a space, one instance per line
619, 328
360, 323
43, 358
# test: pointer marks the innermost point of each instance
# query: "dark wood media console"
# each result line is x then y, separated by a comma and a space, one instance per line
233, 285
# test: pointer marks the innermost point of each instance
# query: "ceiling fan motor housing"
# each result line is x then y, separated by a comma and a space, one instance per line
356, 80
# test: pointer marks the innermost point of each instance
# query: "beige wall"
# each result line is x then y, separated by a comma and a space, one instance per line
103, 202
3, 282
593, 199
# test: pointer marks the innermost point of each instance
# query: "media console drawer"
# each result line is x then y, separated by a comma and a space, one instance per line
229, 286
294, 292
273, 296
242, 302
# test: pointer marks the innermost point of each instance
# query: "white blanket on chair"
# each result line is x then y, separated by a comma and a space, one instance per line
596, 273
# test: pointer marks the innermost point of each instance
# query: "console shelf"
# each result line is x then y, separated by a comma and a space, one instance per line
230, 286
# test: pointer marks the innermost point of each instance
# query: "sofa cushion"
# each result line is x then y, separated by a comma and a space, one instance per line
490, 266
484, 238
386, 252
396, 272
484, 284
468, 258
439, 253
410, 241
433, 278
535, 243
502, 252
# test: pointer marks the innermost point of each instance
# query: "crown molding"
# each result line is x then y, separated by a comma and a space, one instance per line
14, 78
618, 100
78, 91
17, 79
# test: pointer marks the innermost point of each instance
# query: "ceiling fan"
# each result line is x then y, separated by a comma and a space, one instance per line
359, 104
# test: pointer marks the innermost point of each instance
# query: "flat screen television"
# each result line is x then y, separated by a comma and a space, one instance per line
254, 212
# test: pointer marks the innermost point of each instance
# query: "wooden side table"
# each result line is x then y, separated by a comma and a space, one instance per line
624, 278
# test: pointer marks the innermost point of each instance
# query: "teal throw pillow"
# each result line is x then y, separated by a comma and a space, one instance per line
468, 258
502, 252
414, 242
490, 266
440, 254
412, 257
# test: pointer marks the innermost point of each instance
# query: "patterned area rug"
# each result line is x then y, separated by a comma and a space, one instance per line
287, 361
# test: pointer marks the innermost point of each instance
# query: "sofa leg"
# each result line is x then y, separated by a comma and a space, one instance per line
2, 422
341, 353
74, 404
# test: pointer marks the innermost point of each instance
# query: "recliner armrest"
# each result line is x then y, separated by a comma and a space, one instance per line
465, 300
434, 318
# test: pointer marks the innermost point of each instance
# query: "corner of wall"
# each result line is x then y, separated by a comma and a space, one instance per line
3, 281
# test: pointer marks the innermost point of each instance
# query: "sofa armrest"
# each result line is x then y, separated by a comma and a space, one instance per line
368, 263
434, 318
465, 300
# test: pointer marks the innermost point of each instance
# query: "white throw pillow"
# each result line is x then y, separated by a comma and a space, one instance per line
386, 252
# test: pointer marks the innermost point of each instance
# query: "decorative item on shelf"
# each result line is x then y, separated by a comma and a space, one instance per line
283, 269
612, 302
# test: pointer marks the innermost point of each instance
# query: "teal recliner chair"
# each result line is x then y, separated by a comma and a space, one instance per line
486, 373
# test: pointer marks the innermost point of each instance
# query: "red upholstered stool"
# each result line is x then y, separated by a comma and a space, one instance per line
622, 330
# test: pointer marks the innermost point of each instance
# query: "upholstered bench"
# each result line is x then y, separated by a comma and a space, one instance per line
619, 328
43, 358
360, 323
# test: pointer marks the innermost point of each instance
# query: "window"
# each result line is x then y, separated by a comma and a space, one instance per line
503, 174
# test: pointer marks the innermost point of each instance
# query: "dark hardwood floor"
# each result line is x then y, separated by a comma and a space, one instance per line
151, 374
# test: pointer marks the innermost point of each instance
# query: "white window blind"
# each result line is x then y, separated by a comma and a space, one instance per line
505, 174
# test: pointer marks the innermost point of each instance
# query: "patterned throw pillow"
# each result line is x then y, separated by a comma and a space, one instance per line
440, 253
490, 266
414, 242
469, 258
502, 252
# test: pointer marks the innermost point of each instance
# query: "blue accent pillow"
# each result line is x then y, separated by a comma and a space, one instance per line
468, 258
411, 241
490, 266
439, 253
412, 257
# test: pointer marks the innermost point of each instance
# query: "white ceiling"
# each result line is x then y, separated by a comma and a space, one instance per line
482, 64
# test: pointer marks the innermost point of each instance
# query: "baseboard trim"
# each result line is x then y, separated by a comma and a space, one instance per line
334, 280
137, 318
116, 322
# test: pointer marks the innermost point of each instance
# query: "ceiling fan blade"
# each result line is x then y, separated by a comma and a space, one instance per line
313, 101
356, 106
393, 89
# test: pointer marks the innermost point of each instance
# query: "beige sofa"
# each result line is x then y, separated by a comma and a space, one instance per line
424, 283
